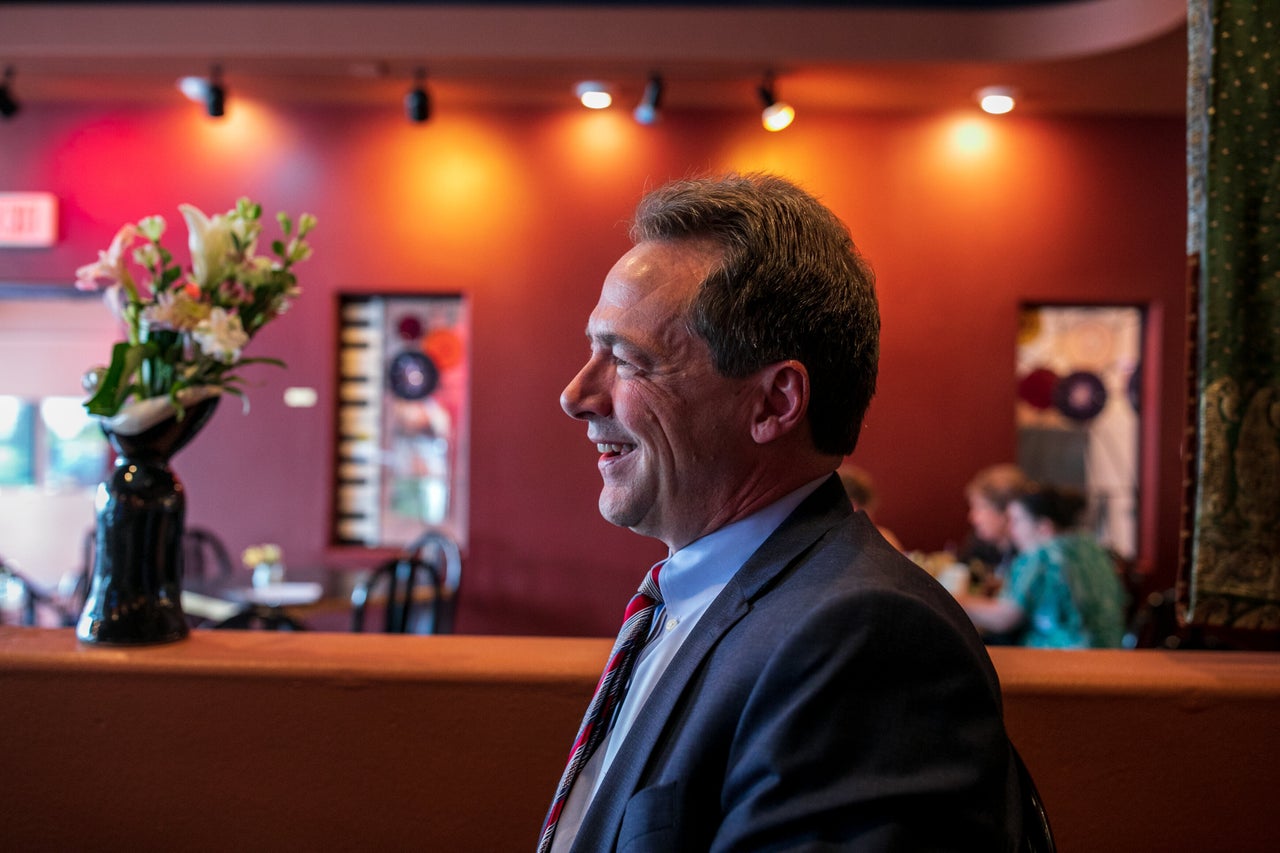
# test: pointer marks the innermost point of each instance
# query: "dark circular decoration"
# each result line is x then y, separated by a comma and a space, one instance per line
409, 328
412, 375
1080, 396
1037, 387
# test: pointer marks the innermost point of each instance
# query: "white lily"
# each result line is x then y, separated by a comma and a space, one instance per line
227, 297
221, 336
211, 245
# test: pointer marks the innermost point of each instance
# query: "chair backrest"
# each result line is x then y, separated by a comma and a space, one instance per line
30, 597
204, 557
428, 572
1037, 835
443, 553
402, 579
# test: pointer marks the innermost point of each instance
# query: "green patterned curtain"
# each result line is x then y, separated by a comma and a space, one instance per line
1232, 572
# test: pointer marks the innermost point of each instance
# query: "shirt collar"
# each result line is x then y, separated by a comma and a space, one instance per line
697, 572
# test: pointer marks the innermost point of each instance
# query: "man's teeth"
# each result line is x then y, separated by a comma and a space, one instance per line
613, 448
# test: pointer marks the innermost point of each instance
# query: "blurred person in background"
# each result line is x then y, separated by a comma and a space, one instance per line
988, 549
1063, 591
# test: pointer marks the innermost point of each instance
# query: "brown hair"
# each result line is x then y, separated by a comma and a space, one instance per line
998, 484
792, 285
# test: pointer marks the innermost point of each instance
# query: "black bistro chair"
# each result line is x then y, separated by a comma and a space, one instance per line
32, 600
420, 587
204, 557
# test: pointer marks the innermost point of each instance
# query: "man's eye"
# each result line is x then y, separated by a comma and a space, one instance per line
622, 363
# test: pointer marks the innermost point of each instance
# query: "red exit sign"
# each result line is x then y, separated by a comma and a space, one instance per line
28, 220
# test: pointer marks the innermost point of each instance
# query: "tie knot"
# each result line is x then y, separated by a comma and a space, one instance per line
648, 595
649, 586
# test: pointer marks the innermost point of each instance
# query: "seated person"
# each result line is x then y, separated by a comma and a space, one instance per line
861, 490
988, 550
1063, 590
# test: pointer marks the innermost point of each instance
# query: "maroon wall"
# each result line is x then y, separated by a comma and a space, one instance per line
525, 211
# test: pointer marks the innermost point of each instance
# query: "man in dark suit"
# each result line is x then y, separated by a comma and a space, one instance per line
803, 685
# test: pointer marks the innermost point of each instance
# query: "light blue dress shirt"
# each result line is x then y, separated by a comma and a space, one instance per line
690, 580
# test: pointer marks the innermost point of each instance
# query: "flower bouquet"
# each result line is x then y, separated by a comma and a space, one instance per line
185, 331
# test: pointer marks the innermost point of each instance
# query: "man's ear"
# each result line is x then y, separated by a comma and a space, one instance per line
783, 400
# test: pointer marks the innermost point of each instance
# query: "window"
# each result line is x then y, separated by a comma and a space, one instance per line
17, 443
76, 454
63, 447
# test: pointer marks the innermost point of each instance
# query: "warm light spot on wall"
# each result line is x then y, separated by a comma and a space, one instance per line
465, 174
756, 152
252, 140
246, 124
970, 137
599, 134
455, 190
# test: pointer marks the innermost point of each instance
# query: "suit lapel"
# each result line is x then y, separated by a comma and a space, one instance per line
816, 515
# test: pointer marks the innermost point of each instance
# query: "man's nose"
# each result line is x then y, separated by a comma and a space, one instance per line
585, 396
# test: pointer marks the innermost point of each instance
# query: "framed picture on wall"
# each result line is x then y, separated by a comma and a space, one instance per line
1079, 410
402, 418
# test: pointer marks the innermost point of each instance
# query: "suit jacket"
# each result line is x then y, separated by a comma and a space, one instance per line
833, 697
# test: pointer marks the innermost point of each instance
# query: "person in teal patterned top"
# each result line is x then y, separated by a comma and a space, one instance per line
1063, 590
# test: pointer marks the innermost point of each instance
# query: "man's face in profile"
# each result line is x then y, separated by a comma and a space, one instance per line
671, 431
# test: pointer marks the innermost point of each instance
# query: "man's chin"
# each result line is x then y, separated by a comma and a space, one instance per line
618, 512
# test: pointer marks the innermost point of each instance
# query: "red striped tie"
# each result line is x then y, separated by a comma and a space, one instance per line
608, 695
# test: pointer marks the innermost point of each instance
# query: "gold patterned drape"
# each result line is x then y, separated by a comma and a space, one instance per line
1232, 572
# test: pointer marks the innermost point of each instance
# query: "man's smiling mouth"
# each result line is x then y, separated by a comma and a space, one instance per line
614, 449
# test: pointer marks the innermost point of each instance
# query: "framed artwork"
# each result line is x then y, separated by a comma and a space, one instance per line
1079, 409
402, 418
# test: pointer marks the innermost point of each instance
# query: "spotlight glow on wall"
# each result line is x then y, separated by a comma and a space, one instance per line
594, 95
777, 115
996, 100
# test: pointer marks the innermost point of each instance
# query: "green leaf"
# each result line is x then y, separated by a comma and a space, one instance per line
114, 386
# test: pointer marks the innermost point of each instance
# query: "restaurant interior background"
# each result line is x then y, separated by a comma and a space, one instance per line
516, 198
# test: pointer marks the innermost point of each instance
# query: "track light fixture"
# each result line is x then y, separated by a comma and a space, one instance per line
207, 91
777, 115
593, 94
646, 112
215, 100
996, 100
9, 105
417, 103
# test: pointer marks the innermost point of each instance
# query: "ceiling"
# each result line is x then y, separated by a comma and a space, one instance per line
1103, 57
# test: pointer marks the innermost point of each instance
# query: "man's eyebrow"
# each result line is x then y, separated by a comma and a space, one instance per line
607, 338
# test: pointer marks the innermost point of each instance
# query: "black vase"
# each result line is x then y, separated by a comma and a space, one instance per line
135, 594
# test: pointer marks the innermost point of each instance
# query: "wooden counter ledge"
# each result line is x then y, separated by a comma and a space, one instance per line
258, 740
